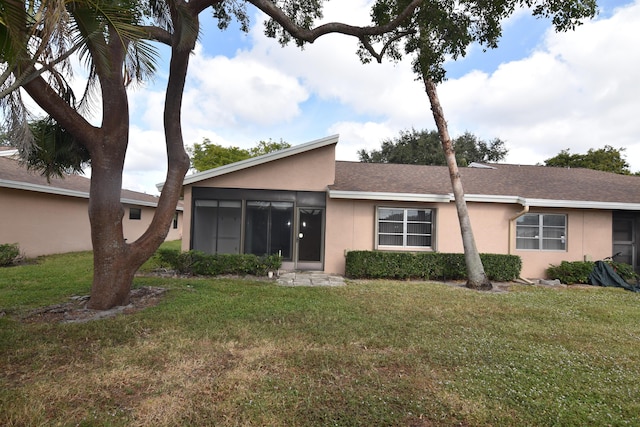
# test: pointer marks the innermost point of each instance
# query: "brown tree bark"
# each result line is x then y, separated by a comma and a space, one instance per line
116, 261
476, 277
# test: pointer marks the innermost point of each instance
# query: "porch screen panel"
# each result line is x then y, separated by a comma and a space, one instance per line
280, 230
205, 219
229, 227
268, 228
257, 228
217, 226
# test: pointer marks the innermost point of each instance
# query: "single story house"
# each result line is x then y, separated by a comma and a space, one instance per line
52, 217
303, 204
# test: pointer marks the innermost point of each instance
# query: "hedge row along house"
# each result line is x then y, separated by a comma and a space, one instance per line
303, 204
48, 217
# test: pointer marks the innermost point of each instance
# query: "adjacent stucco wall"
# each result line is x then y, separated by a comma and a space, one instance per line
351, 226
308, 171
132, 229
589, 237
43, 223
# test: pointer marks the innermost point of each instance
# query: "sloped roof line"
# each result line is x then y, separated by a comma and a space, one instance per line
71, 193
255, 161
15, 176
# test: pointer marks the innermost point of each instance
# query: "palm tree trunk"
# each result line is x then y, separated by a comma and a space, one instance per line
476, 277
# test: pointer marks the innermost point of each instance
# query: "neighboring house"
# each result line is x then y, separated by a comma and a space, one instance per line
302, 203
52, 217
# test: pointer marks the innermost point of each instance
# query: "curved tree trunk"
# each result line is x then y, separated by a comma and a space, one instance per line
115, 260
477, 279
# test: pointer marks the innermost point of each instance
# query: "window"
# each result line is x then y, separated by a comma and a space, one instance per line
135, 213
175, 220
546, 232
400, 227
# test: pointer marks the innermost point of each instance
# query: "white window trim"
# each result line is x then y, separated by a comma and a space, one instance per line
404, 246
540, 233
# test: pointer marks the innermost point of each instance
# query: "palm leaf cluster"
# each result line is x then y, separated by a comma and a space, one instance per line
39, 39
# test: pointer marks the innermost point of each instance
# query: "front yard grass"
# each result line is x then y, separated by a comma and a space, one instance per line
230, 352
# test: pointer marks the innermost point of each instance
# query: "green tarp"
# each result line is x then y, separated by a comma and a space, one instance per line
604, 275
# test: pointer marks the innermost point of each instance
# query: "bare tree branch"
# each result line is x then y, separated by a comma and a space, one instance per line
379, 56
310, 35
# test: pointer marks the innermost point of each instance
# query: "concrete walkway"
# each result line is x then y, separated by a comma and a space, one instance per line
308, 278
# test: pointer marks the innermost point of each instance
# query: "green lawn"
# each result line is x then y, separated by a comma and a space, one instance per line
232, 352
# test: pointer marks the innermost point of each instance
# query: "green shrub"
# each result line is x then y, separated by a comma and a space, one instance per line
501, 268
571, 272
625, 271
9, 252
427, 265
202, 264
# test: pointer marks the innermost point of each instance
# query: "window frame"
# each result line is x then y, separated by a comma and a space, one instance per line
135, 214
405, 228
541, 238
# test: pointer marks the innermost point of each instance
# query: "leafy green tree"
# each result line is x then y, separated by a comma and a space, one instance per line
207, 155
266, 147
115, 40
424, 148
441, 30
606, 159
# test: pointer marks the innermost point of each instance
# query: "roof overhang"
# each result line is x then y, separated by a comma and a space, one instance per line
66, 192
483, 198
400, 197
255, 161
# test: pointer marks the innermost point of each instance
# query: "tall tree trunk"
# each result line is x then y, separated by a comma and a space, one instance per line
476, 277
115, 260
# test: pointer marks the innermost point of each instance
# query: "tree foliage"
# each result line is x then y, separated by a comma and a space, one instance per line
607, 159
442, 30
207, 155
424, 148
56, 152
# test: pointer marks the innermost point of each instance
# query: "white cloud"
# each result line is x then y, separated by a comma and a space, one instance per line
578, 90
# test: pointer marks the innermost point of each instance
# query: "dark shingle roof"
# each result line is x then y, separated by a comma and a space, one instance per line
531, 182
13, 173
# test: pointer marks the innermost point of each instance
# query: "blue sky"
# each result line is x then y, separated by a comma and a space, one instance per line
540, 92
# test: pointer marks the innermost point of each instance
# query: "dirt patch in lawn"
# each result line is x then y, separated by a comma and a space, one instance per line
76, 311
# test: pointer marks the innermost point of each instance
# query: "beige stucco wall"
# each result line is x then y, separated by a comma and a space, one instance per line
43, 223
308, 171
132, 229
589, 237
350, 226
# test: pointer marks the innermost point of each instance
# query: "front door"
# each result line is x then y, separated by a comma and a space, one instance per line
310, 239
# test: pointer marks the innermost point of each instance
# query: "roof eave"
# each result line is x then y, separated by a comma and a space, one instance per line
483, 198
66, 192
375, 195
